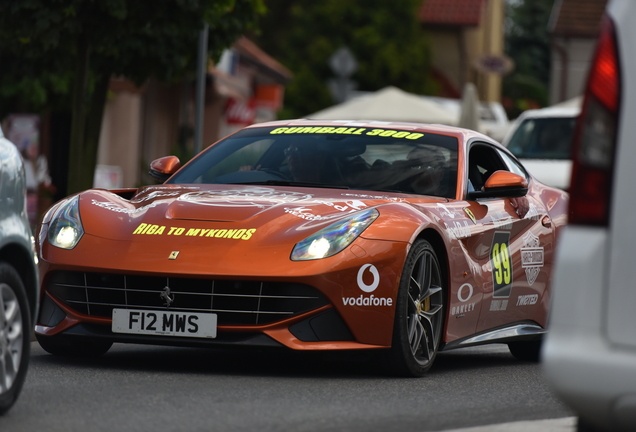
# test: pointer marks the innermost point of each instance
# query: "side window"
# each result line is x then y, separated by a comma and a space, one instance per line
483, 160
513, 165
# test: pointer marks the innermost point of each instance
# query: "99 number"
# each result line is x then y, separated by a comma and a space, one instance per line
501, 264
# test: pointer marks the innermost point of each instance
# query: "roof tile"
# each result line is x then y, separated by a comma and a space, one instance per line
451, 12
578, 17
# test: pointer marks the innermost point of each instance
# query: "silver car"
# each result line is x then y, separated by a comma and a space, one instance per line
590, 352
19, 289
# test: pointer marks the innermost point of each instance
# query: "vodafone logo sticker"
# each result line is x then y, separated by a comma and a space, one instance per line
371, 300
376, 278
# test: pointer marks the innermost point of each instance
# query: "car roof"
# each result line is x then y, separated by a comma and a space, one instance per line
554, 111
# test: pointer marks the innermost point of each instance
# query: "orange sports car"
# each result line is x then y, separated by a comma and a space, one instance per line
401, 238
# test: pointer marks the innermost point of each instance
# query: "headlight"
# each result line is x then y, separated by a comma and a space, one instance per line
65, 228
334, 238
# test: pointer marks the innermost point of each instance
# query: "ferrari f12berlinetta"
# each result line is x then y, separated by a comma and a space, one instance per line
398, 238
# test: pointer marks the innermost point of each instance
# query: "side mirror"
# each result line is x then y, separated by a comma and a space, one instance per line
161, 169
502, 184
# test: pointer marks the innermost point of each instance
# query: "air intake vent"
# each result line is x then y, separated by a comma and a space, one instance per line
235, 302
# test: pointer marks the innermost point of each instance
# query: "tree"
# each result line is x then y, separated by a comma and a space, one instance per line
528, 44
73, 47
386, 39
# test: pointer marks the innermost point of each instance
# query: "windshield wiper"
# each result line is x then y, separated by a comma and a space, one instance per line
293, 183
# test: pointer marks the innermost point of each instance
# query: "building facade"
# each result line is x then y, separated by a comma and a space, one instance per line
574, 27
467, 45
157, 119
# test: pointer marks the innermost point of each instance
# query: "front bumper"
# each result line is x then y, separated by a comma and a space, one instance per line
320, 329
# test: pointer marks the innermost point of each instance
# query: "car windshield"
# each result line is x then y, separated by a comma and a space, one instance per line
345, 157
543, 138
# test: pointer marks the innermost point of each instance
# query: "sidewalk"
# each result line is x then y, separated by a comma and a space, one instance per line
566, 424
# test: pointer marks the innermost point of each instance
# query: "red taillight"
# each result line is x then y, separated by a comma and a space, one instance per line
594, 141
603, 80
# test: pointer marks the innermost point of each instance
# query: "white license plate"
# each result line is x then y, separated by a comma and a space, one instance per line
164, 323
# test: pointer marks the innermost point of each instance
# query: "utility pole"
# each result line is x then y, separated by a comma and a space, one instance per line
202, 65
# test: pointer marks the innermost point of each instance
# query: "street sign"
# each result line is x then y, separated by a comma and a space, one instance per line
499, 64
343, 63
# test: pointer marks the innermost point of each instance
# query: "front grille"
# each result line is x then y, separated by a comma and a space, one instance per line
235, 302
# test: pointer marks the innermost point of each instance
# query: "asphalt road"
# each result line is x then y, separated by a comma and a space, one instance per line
147, 388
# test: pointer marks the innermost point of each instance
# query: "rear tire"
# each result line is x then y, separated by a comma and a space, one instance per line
15, 336
419, 313
529, 351
73, 347
583, 426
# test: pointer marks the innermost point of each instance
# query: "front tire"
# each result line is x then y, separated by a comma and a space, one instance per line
419, 312
15, 343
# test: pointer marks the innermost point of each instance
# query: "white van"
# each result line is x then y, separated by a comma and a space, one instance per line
589, 354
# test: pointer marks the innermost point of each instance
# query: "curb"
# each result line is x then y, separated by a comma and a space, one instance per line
566, 424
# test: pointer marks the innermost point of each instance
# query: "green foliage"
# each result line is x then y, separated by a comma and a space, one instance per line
132, 38
528, 44
386, 39
61, 52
